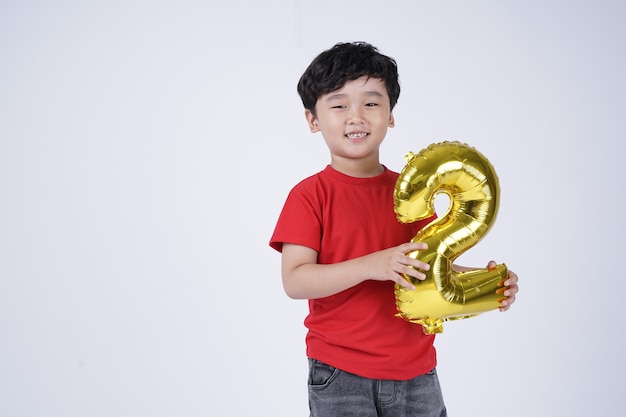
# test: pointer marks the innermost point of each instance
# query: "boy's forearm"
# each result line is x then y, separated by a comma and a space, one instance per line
312, 280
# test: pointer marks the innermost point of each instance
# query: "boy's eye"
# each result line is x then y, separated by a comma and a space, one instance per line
371, 104
339, 106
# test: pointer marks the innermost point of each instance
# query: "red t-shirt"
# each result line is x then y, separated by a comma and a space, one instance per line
356, 330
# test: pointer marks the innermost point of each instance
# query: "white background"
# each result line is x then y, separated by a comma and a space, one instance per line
147, 147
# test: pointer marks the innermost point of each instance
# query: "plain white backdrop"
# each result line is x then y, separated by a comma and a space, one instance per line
147, 147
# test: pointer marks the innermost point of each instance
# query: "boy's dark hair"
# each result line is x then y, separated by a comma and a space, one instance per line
331, 69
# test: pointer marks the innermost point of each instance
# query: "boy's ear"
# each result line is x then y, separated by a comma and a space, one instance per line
392, 121
312, 120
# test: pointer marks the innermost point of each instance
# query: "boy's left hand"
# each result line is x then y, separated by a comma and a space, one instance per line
511, 284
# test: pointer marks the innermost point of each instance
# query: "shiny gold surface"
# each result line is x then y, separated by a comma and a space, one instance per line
469, 180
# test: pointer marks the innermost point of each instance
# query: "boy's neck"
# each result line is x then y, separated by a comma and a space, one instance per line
358, 169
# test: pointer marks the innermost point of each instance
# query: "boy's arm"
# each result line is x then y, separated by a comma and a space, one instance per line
304, 278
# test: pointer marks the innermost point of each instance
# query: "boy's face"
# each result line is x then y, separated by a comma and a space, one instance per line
353, 121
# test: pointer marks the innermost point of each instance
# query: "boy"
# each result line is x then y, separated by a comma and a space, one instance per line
343, 249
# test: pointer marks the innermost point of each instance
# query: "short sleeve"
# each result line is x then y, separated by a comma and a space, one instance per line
299, 222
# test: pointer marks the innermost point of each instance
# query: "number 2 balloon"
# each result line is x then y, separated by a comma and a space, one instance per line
470, 182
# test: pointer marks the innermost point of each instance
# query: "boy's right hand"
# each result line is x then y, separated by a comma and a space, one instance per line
391, 264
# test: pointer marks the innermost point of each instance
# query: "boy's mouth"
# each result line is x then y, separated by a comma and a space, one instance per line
356, 137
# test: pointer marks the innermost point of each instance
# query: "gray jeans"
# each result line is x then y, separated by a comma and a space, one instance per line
335, 393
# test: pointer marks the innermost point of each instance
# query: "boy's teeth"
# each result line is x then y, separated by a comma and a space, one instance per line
356, 135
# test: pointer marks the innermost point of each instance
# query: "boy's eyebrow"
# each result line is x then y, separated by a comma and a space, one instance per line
339, 96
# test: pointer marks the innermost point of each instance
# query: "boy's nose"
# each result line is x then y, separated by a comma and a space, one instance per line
355, 116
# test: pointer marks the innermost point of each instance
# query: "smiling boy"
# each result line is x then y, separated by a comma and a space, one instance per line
343, 249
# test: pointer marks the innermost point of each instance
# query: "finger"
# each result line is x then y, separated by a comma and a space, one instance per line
405, 265
417, 264
404, 283
511, 279
511, 291
412, 272
412, 247
491, 265
506, 303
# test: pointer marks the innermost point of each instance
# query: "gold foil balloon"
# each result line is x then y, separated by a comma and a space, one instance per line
470, 182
